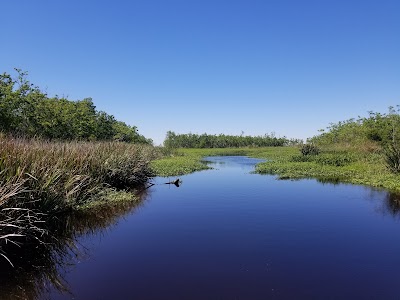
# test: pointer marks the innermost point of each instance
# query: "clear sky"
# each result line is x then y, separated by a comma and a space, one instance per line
289, 67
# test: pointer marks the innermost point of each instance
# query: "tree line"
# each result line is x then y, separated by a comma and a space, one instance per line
205, 140
27, 111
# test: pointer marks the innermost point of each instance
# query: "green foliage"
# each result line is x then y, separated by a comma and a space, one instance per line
376, 128
179, 165
335, 159
392, 157
302, 158
190, 140
377, 131
309, 149
367, 168
26, 111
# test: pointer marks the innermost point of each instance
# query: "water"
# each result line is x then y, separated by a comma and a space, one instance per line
229, 234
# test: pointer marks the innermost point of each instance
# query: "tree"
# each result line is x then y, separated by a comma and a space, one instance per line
26, 110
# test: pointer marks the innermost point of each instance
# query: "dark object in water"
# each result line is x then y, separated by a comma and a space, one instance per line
176, 182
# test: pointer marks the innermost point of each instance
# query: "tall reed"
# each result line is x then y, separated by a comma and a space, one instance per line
39, 179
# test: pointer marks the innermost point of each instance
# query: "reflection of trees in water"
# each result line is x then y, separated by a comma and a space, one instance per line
44, 264
387, 204
391, 204
331, 180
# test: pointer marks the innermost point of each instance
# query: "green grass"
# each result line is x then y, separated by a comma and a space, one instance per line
338, 166
107, 198
179, 165
40, 179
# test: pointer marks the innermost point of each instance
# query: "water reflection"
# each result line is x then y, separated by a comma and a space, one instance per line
176, 182
331, 180
387, 204
41, 268
392, 204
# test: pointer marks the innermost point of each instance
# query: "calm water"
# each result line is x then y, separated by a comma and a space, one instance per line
229, 234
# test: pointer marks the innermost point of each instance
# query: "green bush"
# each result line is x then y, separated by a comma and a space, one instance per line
392, 157
335, 159
27, 111
302, 158
309, 149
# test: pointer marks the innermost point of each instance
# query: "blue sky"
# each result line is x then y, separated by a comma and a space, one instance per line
289, 67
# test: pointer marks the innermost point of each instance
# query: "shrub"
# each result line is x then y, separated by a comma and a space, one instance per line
335, 159
309, 149
392, 157
302, 158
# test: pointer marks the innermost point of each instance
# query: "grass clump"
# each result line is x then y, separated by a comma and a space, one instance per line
309, 149
40, 179
336, 159
179, 165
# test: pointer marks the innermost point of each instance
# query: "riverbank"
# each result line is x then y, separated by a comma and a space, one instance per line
338, 165
39, 180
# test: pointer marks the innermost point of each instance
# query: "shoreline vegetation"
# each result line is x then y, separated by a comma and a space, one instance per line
362, 151
59, 156
41, 180
337, 166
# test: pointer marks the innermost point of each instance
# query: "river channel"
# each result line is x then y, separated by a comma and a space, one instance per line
227, 233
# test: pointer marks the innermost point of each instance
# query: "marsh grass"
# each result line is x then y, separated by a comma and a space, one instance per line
178, 165
334, 165
39, 179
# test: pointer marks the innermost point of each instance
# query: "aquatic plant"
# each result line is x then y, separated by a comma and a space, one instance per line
179, 165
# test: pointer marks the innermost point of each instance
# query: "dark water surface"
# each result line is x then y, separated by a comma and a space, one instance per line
229, 234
